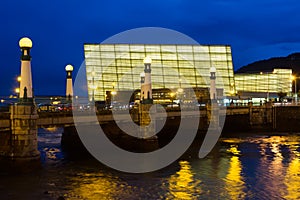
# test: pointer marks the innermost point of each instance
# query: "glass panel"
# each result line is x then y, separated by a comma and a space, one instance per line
191, 63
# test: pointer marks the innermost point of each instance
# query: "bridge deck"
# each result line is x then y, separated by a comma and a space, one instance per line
47, 119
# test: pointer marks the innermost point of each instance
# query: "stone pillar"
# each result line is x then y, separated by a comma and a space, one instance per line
23, 115
250, 107
213, 115
24, 145
145, 120
269, 113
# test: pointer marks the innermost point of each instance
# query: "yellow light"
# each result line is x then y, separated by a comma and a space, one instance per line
19, 79
2, 100
234, 150
180, 90
147, 60
17, 90
69, 68
293, 78
93, 87
182, 184
172, 94
55, 102
212, 70
113, 92
25, 42
234, 183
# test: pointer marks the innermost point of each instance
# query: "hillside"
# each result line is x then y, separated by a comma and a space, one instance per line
291, 61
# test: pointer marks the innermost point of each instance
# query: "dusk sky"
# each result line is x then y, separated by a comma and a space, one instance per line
255, 29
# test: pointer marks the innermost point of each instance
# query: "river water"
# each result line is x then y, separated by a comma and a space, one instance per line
248, 167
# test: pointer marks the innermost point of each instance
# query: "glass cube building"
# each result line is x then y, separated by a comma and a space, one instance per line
277, 81
117, 67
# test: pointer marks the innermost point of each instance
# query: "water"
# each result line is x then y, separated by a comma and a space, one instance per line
251, 167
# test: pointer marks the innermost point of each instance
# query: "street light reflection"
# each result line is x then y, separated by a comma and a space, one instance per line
234, 183
182, 184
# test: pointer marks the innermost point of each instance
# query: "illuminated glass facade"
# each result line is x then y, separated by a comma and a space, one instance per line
117, 67
279, 80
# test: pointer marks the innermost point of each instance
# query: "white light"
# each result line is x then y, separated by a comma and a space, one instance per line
180, 90
212, 70
142, 74
25, 42
69, 68
147, 60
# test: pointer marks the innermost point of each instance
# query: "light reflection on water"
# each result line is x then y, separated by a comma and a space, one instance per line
257, 167
234, 183
183, 185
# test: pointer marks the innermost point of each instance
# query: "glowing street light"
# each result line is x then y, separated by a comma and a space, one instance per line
69, 87
26, 91
113, 92
17, 90
113, 89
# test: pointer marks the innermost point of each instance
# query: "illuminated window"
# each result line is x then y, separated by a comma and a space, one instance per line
123, 63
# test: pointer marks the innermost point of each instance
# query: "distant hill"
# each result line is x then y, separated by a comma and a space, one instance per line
292, 61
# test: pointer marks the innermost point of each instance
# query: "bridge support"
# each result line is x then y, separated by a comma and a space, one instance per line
23, 140
147, 129
261, 117
213, 115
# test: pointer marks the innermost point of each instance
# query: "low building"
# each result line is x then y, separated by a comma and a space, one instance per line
264, 85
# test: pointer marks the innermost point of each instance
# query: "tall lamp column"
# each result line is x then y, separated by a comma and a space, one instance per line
213, 91
26, 93
69, 86
146, 90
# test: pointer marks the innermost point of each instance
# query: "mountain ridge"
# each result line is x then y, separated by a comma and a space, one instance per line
292, 61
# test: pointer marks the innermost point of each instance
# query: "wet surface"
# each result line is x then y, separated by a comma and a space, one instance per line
252, 167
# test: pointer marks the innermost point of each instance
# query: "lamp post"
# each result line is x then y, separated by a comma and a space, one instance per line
17, 91
69, 85
213, 90
294, 78
93, 87
26, 93
296, 95
147, 86
113, 93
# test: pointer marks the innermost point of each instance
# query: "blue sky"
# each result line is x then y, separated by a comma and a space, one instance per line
59, 28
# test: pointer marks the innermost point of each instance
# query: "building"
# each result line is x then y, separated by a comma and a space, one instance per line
112, 68
264, 84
